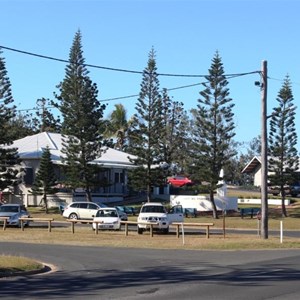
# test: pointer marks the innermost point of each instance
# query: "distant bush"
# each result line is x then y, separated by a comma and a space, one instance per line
249, 188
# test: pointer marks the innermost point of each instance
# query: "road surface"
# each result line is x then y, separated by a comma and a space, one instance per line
121, 273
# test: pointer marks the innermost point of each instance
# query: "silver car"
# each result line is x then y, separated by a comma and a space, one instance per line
14, 212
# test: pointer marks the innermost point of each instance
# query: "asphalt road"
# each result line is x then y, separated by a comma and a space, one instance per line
118, 273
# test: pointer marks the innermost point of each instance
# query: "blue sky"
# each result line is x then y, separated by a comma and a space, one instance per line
185, 34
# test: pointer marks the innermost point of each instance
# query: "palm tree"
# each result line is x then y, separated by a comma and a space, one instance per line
117, 126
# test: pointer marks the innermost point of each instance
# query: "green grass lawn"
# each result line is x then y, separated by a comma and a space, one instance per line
10, 265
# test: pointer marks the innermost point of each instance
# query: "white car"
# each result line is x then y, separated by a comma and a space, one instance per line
155, 212
81, 210
108, 218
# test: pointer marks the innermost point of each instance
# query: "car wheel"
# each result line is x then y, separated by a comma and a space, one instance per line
73, 216
140, 230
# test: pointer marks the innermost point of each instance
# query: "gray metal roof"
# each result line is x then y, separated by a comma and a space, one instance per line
31, 147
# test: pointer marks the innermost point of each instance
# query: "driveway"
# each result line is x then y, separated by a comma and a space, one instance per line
122, 273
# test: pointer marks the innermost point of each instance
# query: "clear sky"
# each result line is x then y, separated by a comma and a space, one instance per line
184, 33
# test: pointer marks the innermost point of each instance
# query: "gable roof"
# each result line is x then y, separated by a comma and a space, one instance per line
252, 165
255, 164
31, 147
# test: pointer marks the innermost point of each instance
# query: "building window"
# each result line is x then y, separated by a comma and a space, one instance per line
28, 176
119, 178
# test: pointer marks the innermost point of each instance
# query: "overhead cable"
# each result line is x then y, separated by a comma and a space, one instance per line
118, 69
282, 80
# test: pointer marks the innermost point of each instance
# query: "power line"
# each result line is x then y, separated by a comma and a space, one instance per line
170, 89
282, 80
118, 69
34, 108
124, 97
228, 76
67, 61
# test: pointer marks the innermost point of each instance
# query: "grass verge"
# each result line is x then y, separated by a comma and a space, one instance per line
10, 265
85, 236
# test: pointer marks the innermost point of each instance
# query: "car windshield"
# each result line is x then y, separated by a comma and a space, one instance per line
153, 209
9, 208
106, 213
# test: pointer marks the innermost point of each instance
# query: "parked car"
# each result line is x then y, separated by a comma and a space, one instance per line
179, 181
129, 210
155, 212
14, 212
108, 217
122, 213
274, 190
82, 210
295, 189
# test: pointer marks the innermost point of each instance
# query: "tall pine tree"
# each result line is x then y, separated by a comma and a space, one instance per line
214, 128
45, 180
146, 131
82, 121
8, 156
283, 155
172, 114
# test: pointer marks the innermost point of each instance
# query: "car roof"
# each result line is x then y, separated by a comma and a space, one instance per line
107, 208
153, 203
83, 202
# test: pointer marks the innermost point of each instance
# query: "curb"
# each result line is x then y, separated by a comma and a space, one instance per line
44, 269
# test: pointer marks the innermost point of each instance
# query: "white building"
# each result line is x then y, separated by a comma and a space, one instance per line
114, 166
254, 168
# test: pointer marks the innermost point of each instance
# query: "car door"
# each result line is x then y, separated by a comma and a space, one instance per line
82, 211
92, 210
176, 214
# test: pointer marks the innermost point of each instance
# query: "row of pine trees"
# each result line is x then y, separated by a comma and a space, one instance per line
162, 136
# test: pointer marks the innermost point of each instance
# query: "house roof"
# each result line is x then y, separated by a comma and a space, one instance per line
31, 147
252, 165
255, 163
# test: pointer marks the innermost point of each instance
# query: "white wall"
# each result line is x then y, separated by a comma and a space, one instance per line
257, 178
258, 201
201, 203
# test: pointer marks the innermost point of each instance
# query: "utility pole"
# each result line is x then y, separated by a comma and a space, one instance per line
264, 154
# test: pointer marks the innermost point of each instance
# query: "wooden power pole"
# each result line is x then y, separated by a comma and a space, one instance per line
264, 154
